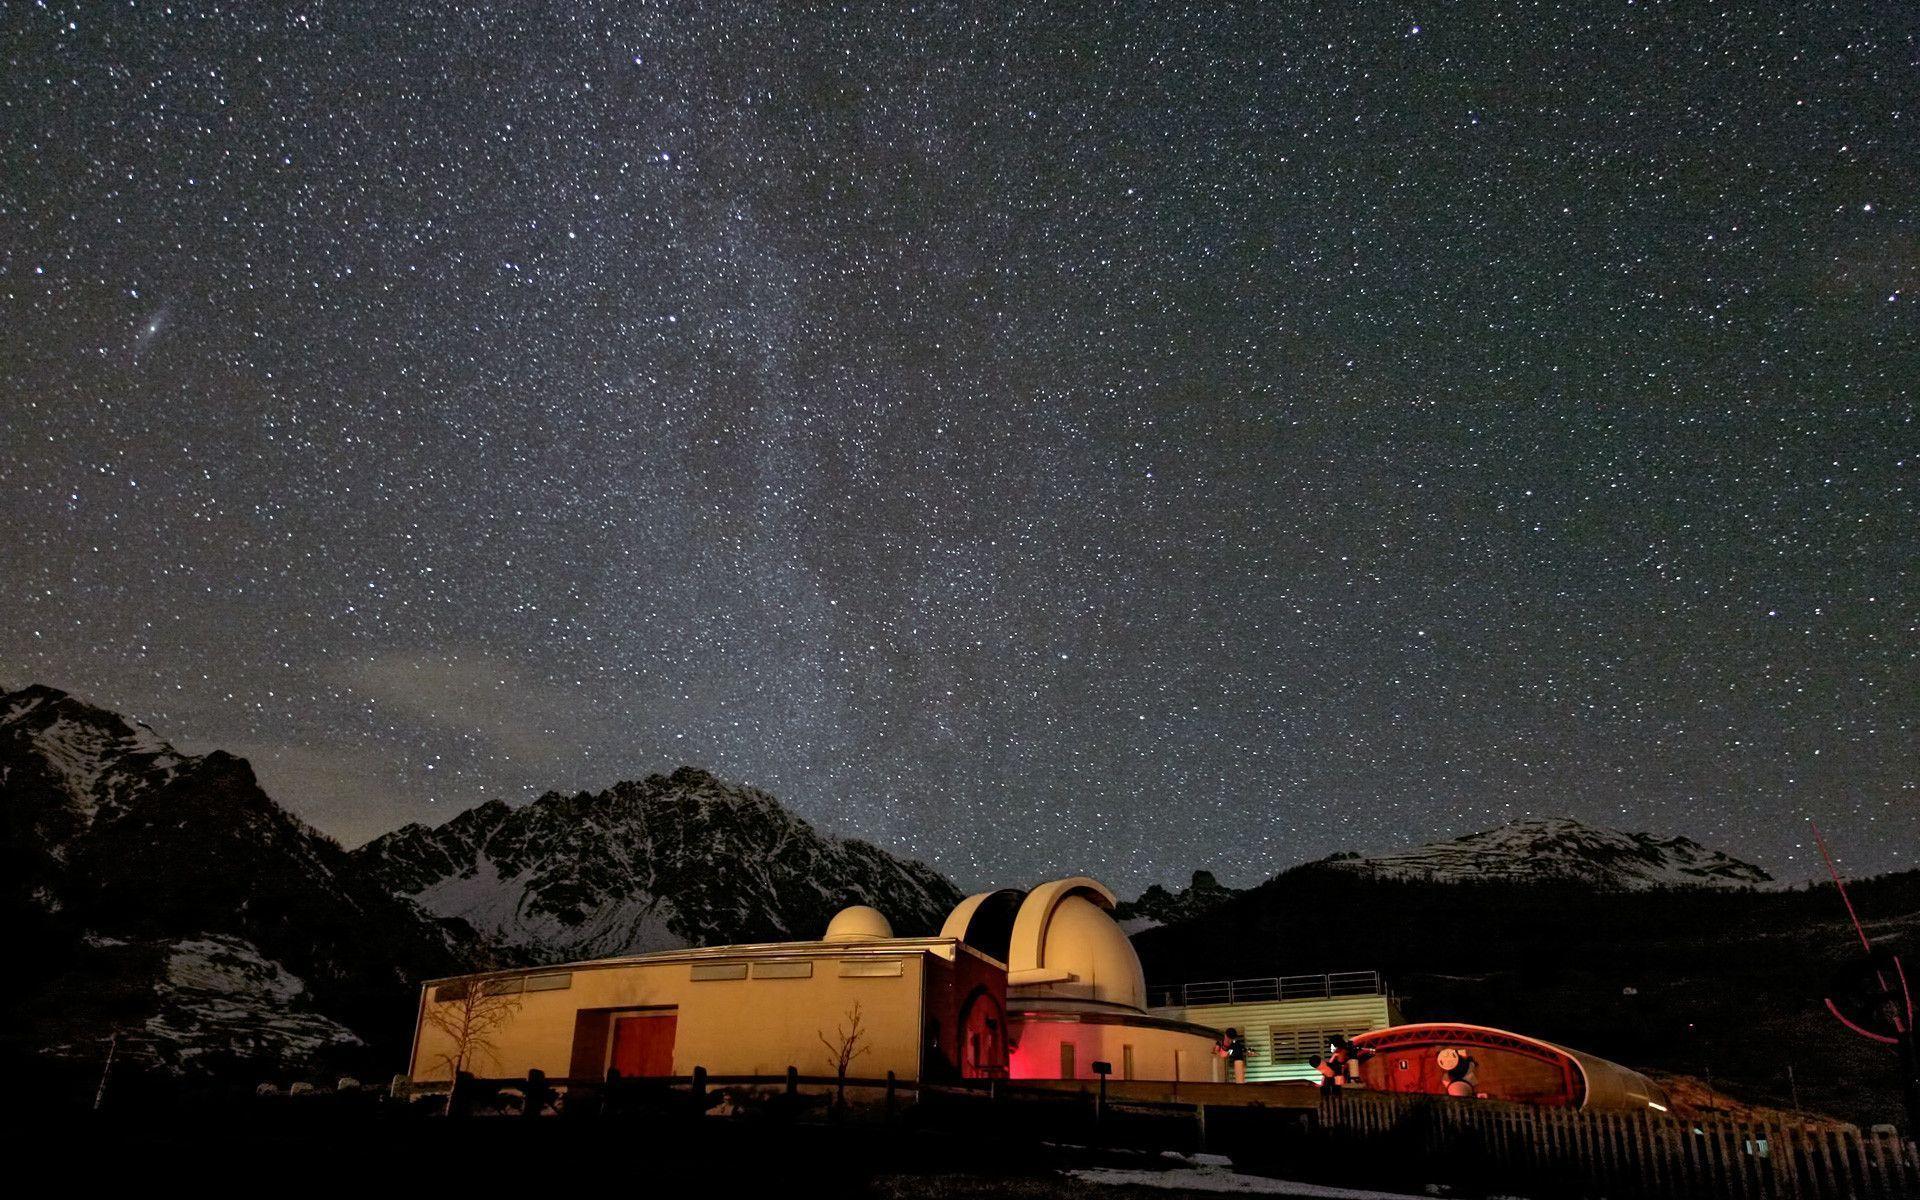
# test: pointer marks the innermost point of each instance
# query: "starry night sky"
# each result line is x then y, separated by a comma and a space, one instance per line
1123, 439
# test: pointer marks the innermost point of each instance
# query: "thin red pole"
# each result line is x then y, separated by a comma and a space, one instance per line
1841, 884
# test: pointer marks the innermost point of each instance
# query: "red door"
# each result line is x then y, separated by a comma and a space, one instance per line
643, 1044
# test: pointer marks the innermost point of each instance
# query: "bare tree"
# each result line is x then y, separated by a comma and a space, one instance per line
468, 1016
852, 1044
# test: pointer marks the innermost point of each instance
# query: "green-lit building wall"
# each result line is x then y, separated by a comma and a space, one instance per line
1280, 1034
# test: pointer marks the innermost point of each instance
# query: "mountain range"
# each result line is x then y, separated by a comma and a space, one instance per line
1543, 848
157, 895
676, 860
1722, 985
1530, 850
164, 901
1159, 906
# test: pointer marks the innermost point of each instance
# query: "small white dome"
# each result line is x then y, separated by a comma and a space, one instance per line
858, 924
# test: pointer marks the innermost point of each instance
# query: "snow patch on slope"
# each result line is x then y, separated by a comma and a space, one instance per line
219, 996
94, 757
506, 909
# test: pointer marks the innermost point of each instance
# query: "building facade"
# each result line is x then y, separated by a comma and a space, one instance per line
922, 1008
1076, 996
1037, 984
1284, 1019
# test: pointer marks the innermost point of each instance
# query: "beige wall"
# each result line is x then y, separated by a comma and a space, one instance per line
730, 1027
1154, 1051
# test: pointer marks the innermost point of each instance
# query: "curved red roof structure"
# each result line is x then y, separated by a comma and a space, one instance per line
1448, 1058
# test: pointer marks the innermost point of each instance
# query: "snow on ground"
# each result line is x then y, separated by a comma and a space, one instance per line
1212, 1173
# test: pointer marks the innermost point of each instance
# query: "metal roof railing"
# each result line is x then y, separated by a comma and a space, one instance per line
1271, 988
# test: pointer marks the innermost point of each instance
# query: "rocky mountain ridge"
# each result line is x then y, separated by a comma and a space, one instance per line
669, 861
164, 901
130, 867
1561, 849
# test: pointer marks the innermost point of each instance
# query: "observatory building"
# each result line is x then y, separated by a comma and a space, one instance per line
1075, 991
1027, 985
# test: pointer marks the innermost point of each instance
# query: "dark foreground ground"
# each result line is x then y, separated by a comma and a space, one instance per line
270, 1152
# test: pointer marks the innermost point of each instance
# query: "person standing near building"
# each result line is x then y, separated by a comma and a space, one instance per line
1236, 1056
1328, 1082
1344, 1057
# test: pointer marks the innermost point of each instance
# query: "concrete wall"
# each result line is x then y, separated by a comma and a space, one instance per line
1341, 1014
747, 1026
1156, 1053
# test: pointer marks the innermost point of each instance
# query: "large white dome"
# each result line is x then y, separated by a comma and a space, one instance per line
1083, 938
1063, 941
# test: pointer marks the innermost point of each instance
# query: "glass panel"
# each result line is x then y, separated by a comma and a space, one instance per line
871, 968
783, 970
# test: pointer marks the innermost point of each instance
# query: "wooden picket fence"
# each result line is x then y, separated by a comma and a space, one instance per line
1630, 1155
1483, 1146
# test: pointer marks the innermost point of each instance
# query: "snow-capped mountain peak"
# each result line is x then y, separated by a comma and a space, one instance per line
669, 861
89, 756
232, 927
1561, 848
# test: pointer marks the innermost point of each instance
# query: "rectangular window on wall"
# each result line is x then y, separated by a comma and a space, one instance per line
1066, 1060
1126, 1062
783, 970
703, 972
884, 968
1292, 1045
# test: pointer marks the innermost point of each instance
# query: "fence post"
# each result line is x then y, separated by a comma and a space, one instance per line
1873, 1149
1200, 1121
536, 1093
1836, 1161
1854, 1146
1652, 1183
892, 1091
699, 1090
1780, 1163
793, 1081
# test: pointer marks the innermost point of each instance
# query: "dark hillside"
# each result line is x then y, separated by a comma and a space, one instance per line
1718, 983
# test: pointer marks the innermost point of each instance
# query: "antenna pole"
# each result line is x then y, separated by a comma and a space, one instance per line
1842, 885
